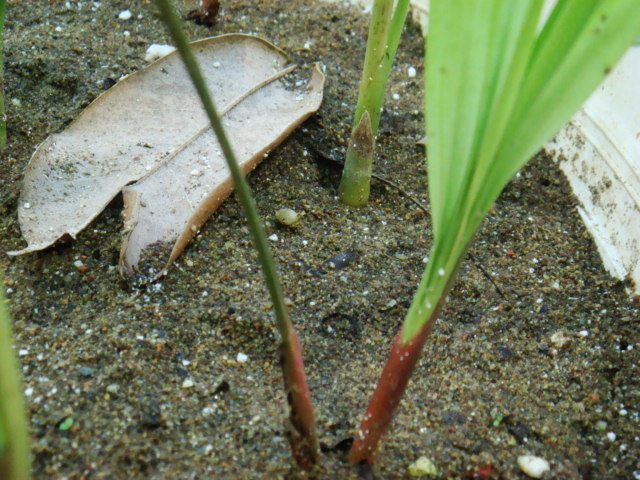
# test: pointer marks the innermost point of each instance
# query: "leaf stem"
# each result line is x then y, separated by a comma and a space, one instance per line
3, 116
302, 437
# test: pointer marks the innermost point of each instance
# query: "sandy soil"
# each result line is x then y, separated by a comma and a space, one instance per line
491, 386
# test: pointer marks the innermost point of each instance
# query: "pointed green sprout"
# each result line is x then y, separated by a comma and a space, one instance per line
385, 28
499, 83
15, 463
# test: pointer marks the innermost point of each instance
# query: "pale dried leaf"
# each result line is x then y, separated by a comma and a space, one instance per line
151, 126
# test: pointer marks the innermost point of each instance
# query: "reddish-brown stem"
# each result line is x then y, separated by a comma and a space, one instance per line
301, 429
391, 386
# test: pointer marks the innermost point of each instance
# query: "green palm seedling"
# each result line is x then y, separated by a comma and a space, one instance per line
385, 29
500, 81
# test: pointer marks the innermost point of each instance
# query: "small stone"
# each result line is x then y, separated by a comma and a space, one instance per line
113, 388
242, 357
273, 237
288, 217
601, 425
560, 339
422, 466
411, 72
156, 51
125, 15
583, 333
533, 466
81, 267
85, 371
187, 383
611, 436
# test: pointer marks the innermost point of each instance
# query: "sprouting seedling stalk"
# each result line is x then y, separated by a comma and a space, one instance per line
385, 29
497, 87
15, 461
302, 434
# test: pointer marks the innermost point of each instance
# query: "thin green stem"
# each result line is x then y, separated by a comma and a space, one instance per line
15, 461
303, 439
3, 117
385, 29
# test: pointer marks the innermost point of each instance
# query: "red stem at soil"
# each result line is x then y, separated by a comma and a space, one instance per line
302, 428
391, 386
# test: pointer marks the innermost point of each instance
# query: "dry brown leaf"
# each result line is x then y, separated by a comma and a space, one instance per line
151, 128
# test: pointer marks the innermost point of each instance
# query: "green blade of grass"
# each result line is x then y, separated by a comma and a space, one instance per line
3, 117
302, 433
15, 463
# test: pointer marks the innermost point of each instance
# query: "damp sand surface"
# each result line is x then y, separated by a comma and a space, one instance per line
180, 379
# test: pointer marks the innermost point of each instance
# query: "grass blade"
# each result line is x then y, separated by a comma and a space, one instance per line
15, 463
302, 434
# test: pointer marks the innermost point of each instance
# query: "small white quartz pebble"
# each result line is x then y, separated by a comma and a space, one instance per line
611, 436
156, 51
411, 72
583, 333
273, 237
242, 357
560, 339
423, 466
533, 466
188, 383
396, 96
125, 15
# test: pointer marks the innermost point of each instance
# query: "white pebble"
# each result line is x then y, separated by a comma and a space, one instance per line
411, 72
560, 339
611, 436
125, 15
216, 64
78, 263
421, 467
583, 333
273, 237
242, 357
188, 383
23, 351
533, 466
156, 51
287, 217
396, 96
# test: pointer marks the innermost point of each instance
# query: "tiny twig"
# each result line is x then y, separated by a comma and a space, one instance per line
486, 275
401, 190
